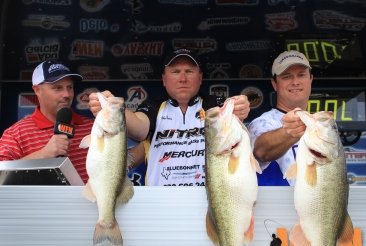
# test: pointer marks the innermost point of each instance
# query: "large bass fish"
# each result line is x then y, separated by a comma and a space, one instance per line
321, 188
106, 165
231, 181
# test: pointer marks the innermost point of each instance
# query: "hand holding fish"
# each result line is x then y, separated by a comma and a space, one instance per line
293, 124
94, 103
241, 106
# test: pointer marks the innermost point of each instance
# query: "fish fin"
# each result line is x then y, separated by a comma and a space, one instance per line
211, 230
127, 192
233, 164
105, 231
146, 144
291, 172
310, 175
255, 164
100, 144
88, 192
85, 142
297, 236
102, 99
249, 234
347, 233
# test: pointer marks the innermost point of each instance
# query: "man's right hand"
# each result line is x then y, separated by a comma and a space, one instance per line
293, 124
94, 103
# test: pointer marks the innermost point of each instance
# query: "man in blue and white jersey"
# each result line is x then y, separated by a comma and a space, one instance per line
275, 134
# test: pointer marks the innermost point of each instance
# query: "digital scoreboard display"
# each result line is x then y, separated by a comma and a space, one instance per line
348, 107
329, 54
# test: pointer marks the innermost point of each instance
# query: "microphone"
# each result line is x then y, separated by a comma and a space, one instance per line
62, 124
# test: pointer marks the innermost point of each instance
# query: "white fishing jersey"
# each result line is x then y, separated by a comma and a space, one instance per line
270, 121
176, 155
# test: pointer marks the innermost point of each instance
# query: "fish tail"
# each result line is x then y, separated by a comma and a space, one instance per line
109, 231
211, 230
347, 232
249, 234
297, 236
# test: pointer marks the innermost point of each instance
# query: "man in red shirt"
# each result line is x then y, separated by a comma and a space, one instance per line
33, 136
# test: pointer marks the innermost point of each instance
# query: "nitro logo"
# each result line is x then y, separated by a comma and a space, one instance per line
93, 25
86, 48
166, 134
182, 154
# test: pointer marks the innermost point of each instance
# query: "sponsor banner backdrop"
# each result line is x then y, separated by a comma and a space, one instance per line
128, 40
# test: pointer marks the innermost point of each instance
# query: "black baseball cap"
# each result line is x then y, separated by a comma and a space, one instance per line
51, 71
182, 52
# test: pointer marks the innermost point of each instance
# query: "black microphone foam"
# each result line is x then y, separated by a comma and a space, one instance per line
64, 115
62, 124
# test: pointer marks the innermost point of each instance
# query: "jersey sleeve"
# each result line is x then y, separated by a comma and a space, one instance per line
150, 108
260, 125
9, 147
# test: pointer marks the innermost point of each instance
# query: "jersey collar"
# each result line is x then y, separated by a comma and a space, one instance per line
191, 102
42, 122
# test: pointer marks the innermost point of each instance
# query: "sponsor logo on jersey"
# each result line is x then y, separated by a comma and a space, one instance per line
182, 154
186, 133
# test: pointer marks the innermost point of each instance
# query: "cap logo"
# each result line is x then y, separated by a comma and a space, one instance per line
182, 51
57, 67
290, 56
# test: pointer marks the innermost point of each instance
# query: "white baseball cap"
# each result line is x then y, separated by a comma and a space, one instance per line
51, 71
287, 59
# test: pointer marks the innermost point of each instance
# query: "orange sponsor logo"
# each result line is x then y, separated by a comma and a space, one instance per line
65, 129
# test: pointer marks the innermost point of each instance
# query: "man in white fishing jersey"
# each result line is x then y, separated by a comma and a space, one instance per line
173, 127
275, 134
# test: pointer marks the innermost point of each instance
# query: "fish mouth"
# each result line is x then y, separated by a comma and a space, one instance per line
317, 154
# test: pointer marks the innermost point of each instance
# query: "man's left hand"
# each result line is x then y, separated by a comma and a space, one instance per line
241, 106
